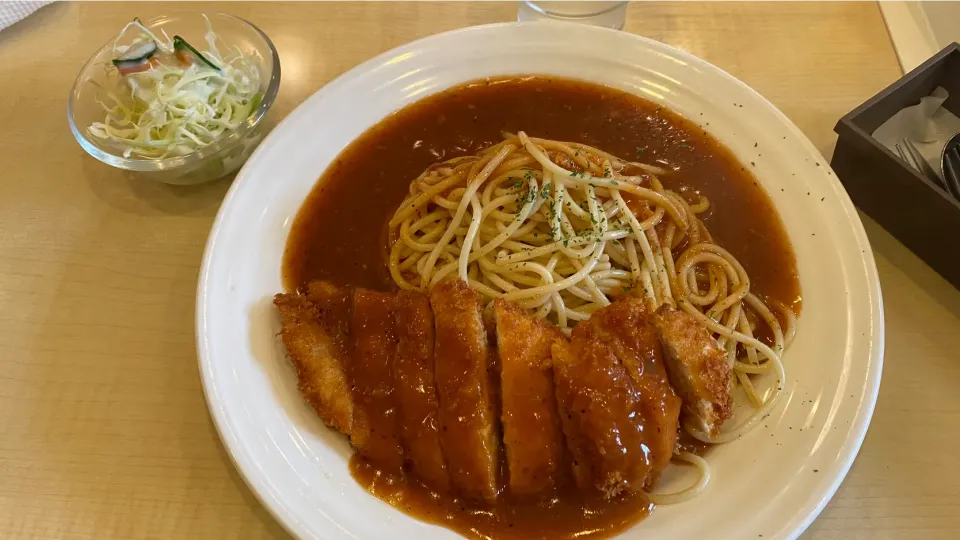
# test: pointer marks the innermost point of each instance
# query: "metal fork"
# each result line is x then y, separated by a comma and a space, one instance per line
909, 153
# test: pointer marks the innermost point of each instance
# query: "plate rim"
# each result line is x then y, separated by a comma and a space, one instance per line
242, 460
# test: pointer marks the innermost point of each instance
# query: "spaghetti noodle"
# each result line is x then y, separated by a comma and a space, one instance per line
563, 228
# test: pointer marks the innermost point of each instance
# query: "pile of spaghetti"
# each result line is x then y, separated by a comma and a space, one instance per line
563, 228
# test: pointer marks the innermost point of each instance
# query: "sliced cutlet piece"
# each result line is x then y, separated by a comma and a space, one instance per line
532, 436
463, 372
626, 326
660, 413
376, 434
314, 333
697, 368
336, 310
416, 391
597, 402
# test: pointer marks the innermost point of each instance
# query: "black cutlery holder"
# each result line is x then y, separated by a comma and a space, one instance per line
918, 212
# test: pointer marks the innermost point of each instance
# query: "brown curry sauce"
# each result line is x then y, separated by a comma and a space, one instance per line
338, 235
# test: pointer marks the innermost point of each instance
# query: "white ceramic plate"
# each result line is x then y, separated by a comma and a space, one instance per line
772, 482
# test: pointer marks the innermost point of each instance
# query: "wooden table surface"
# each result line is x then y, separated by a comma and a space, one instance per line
104, 432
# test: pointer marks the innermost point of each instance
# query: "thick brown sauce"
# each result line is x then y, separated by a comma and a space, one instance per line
570, 515
338, 235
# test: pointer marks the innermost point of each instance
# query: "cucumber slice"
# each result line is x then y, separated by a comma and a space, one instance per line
180, 44
136, 59
139, 53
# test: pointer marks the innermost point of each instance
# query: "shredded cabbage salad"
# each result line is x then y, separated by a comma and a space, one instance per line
172, 98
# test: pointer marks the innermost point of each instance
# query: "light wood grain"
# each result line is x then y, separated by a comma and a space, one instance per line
103, 428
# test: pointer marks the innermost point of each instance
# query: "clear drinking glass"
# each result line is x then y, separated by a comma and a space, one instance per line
606, 14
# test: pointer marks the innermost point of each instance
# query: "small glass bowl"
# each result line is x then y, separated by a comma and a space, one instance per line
226, 154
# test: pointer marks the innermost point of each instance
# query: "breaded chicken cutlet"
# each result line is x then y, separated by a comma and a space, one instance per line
626, 326
416, 390
620, 416
314, 331
414, 381
532, 437
463, 371
375, 432
697, 367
